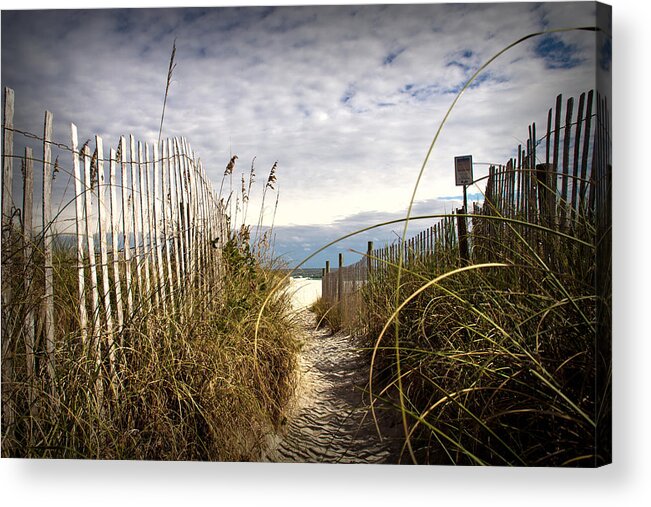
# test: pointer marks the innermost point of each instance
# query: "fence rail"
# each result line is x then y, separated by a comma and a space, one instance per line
148, 228
567, 184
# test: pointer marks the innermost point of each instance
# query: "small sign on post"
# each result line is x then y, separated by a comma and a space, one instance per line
463, 170
463, 177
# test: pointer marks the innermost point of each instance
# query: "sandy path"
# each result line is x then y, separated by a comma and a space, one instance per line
328, 422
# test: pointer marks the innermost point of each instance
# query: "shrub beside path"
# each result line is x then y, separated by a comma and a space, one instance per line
329, 421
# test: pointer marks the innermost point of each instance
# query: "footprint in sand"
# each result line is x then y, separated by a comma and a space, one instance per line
329, 421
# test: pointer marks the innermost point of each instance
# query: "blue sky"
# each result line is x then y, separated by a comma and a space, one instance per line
345, 98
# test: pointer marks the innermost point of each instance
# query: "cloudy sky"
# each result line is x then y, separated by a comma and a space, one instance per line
345, 98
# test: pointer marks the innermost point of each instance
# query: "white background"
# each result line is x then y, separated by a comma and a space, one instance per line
626, 482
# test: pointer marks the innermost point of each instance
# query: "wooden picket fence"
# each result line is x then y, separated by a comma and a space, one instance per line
148, 228
553, 187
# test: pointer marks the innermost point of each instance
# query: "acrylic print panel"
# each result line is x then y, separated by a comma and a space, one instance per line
239, 235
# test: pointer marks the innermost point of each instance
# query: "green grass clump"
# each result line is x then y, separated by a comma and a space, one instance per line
185, 384
493, 364
327, 315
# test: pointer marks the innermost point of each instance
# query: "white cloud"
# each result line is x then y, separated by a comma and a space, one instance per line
345, 98
295, 243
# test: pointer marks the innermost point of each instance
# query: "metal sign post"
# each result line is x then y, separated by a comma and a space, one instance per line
465, 199
463, 176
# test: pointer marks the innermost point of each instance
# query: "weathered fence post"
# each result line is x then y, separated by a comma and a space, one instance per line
553, 183
184, 242
340, 278
160, 284
100, 180
165, 206
530, 165
80, 231
7, 196
565, 164
575, 165
127, 207
7, 293
151, 231
136, 192
325, 283
115, 213
462, 231
546, 195
48, 234
175, 218
192, 210
586, 149
145, 230
7, 183
90, 244
28, 271
369, 260
203, 225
